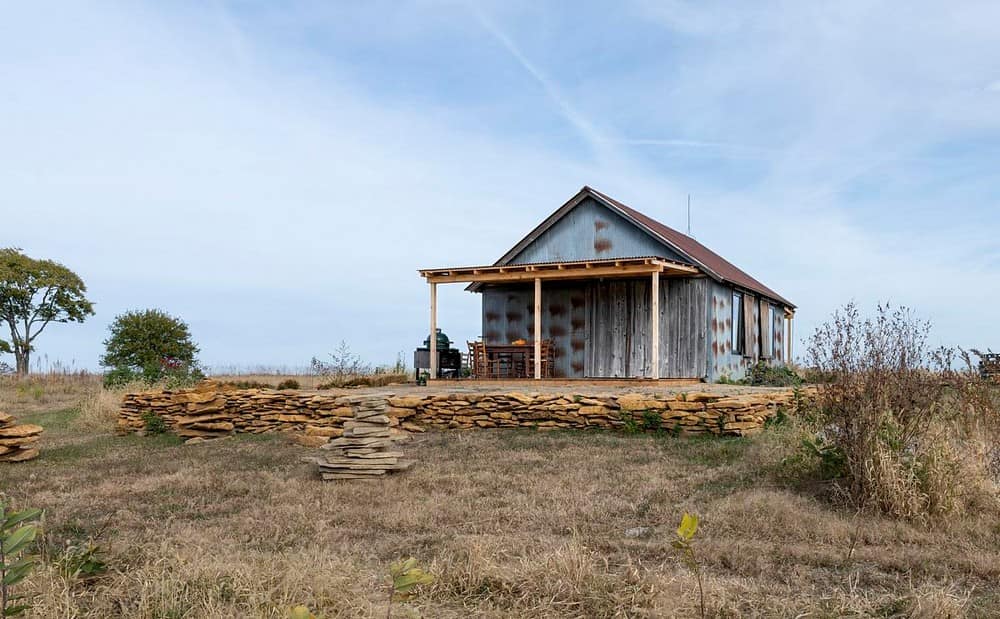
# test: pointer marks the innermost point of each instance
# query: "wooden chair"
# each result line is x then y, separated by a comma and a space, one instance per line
477, 360
548, 358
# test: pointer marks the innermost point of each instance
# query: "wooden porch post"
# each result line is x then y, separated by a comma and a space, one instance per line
434, 339
791, 335
538, 328
654, 327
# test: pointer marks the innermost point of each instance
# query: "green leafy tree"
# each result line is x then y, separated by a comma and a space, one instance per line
34, 293
149, 341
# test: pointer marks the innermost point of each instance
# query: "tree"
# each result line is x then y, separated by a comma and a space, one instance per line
34, 293
149, 341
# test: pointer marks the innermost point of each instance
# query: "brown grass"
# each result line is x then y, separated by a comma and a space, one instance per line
513, 523
315, 381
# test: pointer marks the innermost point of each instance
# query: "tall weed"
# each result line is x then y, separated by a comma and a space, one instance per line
904, 420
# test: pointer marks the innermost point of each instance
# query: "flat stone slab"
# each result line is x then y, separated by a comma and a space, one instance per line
20, 455
28, 429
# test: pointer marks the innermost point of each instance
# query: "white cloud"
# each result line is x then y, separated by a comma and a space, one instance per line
255, 184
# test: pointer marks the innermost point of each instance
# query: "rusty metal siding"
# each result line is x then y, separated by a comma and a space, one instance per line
509, 314
591, 231
722, 360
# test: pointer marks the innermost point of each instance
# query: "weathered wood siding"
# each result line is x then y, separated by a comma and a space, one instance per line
602, 328
590, 232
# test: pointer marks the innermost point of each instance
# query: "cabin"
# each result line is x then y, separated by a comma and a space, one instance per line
600, 291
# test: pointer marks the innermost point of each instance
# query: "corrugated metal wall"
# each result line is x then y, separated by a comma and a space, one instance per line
602, 328
509, 314
592, 232
722, 360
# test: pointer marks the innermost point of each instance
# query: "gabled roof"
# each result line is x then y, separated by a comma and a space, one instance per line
711, 263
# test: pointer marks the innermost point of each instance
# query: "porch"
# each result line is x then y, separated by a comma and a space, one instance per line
602, 319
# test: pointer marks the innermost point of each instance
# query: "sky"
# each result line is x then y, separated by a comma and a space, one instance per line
275, 173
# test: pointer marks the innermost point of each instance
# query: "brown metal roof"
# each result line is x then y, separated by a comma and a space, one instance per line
712, 261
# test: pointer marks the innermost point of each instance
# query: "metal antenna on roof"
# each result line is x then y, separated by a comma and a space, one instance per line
689, 214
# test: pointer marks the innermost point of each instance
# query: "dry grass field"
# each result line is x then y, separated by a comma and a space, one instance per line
512, 523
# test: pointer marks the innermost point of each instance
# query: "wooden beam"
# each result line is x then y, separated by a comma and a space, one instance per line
538, 328
791, 338
434, 339
654, 326
584, 273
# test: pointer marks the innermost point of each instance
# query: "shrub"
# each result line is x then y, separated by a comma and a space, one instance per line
16, 536
630, 424
343, 363
764, 375
684, 542
119, 377
651, 421
153, 343
898, 420
248, 384
153, 422
81, 562
289, 383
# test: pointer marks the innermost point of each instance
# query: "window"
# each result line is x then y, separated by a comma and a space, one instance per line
771, 343
739, 334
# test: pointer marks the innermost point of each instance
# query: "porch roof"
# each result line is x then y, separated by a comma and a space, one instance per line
573, 269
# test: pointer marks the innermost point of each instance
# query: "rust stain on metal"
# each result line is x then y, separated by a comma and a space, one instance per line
577, 367
577, 324
602, 245
513, 317
492, 316
577, 345
558, 353
492, 336
557, 331
557, 309
577, 302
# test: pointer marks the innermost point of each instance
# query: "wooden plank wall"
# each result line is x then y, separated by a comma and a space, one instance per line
618, 328
686, 342
602, 328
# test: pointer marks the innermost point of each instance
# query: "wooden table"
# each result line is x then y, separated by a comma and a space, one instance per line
508, 360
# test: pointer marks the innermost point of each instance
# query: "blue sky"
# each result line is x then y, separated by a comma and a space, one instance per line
275, 173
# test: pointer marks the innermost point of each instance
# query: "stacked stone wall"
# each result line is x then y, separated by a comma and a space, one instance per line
210, 410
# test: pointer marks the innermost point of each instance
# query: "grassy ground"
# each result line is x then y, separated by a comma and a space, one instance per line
512, 523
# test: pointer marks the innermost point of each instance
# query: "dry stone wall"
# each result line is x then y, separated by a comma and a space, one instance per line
210, 411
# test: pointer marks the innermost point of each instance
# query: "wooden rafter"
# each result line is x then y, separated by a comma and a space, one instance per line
581, 269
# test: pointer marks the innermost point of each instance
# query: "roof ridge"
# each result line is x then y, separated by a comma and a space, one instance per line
693, 249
